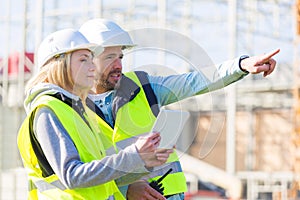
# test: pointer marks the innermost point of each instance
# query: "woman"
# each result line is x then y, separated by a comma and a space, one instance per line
60, 144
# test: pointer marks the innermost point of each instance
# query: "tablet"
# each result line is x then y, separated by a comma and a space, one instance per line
170, 124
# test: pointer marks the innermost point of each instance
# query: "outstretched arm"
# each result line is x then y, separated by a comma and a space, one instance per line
170, 89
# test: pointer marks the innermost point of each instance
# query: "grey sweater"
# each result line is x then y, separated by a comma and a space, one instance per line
63, 157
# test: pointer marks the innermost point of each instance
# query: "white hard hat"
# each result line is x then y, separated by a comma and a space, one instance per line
63, 41
106, 33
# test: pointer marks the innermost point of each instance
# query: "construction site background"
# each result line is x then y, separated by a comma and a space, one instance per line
251, 134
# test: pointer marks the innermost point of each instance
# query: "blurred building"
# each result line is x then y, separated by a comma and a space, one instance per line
248, 130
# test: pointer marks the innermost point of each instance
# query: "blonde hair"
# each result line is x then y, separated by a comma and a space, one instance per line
56, 71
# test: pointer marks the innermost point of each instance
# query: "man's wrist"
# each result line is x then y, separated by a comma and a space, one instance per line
240, 62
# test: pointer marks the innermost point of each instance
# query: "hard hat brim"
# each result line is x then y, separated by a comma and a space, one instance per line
124, 46
95, 48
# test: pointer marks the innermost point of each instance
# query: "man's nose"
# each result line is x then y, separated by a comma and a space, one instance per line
118, 63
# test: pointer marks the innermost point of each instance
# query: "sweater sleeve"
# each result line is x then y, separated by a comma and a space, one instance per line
64, 159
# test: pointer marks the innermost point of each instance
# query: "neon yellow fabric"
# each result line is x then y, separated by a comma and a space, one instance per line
88, 143
131, 120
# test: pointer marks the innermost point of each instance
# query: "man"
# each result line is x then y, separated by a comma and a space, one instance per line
130, 102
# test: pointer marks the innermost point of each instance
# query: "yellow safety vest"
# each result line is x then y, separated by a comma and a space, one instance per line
135, 118
88, 143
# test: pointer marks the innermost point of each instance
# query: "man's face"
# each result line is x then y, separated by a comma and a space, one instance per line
108, 68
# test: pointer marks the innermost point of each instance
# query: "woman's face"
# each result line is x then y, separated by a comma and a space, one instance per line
82, 70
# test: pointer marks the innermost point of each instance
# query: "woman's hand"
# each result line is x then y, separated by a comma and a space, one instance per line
147, 148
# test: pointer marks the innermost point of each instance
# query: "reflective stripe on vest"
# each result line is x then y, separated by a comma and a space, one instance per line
43, 185
88, 143
135, 118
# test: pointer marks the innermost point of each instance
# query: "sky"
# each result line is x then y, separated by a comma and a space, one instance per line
209, 28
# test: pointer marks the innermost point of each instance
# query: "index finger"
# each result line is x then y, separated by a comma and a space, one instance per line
268, 56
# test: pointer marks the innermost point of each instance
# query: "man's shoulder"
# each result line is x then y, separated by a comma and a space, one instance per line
138, 73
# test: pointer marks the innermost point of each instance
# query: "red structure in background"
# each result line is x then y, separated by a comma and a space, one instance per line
13, 63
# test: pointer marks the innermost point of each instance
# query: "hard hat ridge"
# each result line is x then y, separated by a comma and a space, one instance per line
106, 33
64, 41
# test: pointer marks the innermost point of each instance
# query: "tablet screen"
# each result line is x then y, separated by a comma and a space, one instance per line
170, 124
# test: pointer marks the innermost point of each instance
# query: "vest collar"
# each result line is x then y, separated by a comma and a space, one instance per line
126, 90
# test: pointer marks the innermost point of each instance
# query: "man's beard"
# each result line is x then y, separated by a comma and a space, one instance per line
104, 83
